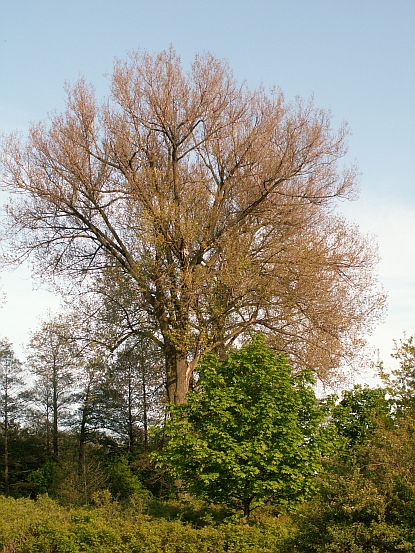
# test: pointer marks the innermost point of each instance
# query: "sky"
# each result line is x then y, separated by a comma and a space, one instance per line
355, 58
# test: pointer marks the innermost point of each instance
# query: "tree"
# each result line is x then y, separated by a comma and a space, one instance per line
359, 412
138, 390
400, 381
214, 201
89, 399
53, 358
366, 503
10, 385
251, 434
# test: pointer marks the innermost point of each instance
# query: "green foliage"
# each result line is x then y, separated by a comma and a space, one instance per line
366, 503
43, 526
44, 478
359, 411
400, 382
253, 433
123, 483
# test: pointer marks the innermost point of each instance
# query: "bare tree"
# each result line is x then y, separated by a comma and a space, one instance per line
214, 200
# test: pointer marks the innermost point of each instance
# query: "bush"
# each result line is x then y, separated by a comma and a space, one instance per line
124, 484
43, 526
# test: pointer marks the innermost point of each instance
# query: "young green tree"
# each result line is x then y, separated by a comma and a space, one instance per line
252, 433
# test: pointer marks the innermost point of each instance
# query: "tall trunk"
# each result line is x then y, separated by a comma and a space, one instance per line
55, 444
48, 427
6, 457
82, 441
145, 404
178, 369
131, 438
81, 456
6, 439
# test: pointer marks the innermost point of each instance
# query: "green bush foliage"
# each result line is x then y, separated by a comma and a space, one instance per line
28, 526
358, 413
123, 483
366, 503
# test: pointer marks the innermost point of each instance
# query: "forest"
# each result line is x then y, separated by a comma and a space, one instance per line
209, 282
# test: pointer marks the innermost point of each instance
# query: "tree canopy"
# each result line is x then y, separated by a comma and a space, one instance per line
214, 202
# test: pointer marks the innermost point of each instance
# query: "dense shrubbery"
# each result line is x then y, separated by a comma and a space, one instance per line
42, 525
365, 504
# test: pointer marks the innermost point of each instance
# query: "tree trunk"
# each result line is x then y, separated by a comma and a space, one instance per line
82, 473
48, 428
81, 444
145, 404
247, 508
6, 445
55, 444
179, 372
131, 437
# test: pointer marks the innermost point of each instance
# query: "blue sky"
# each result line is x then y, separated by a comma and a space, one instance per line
357, 58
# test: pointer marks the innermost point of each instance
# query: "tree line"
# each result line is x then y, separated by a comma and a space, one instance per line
252, 433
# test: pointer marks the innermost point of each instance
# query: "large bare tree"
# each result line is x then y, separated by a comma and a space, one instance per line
215, 200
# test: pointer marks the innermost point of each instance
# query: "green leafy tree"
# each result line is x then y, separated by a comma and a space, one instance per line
252, 433
367, 503
359, 412
123, 483
400, 381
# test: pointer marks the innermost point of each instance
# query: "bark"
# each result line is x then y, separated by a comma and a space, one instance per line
131, 437
82, 439
247, 508
6, 444
145, 405
82, 469
179, 372
81, 454
55, 440
48, 428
